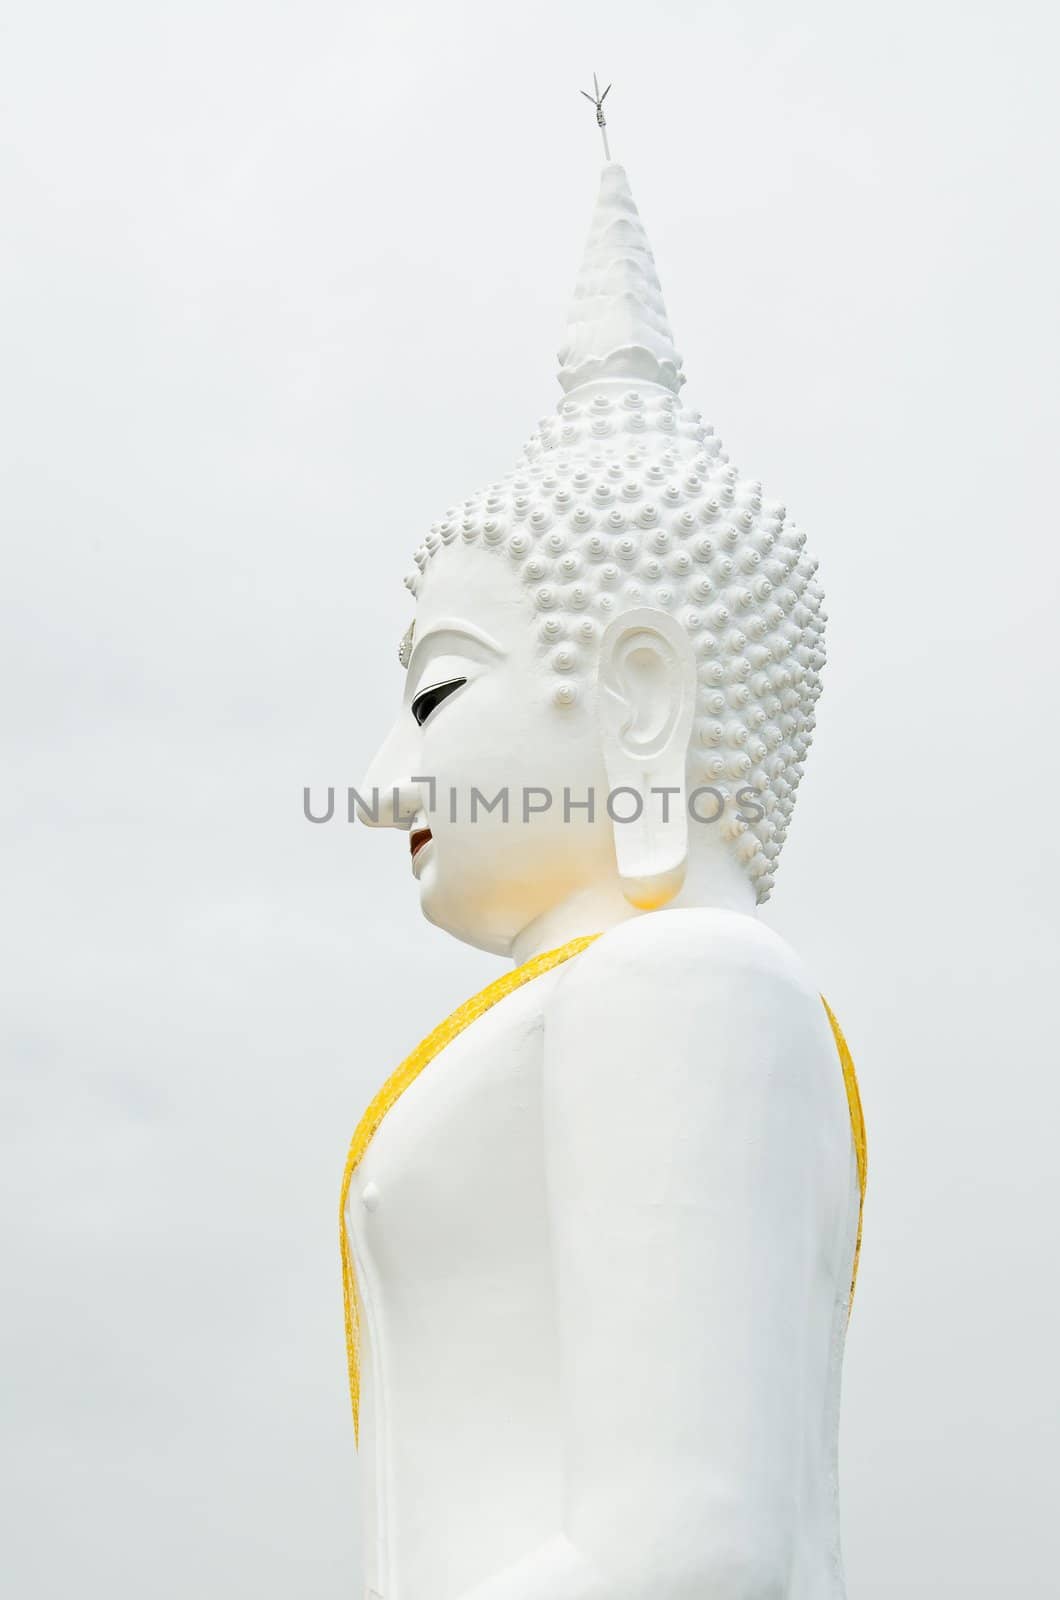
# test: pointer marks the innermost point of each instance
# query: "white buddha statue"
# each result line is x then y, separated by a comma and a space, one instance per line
600, 1228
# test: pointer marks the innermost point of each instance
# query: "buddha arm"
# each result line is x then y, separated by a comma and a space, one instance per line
698, 1158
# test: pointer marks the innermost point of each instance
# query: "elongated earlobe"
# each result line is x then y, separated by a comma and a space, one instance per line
647, 690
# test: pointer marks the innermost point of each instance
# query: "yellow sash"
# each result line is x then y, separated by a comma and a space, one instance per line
432, 1045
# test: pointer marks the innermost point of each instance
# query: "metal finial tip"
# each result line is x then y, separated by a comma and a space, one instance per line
597, 99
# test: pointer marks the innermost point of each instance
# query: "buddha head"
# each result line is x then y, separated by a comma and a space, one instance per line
615, 657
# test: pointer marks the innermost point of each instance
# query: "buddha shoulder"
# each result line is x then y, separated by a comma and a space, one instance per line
686, 946
719, 973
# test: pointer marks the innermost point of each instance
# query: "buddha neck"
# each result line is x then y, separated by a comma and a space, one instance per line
714, 879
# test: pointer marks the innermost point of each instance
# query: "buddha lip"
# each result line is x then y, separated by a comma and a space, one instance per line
417, 839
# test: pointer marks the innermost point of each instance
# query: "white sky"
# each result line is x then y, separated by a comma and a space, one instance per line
279, 283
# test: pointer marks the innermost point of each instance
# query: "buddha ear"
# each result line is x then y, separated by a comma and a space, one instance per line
647, 697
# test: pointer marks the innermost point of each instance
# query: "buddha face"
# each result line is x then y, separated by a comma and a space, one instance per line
480, 718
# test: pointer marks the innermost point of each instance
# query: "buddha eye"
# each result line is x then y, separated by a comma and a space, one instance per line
429, 700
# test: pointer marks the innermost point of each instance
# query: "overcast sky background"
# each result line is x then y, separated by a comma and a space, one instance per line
281, 282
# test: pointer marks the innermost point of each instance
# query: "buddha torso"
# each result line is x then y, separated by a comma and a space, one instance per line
577, 1317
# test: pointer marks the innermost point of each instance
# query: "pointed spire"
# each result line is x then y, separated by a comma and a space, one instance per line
617, 325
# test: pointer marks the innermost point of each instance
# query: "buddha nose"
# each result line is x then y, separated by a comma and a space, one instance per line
387, 796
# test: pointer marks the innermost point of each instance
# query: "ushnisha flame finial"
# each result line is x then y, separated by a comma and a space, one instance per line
597, 99
617, 326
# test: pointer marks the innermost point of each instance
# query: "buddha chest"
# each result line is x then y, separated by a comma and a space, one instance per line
449, 1235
